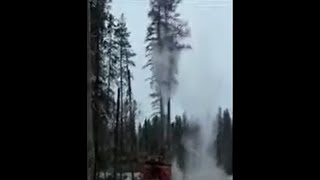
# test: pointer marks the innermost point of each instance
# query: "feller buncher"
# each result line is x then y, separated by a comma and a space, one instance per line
156, 168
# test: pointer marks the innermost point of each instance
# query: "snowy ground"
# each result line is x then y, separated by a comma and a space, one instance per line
137, 176
126, 175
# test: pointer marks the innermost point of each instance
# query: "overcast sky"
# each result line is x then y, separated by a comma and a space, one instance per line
205, 72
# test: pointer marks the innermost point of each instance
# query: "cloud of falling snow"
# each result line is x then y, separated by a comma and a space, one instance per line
165, 70
200, 161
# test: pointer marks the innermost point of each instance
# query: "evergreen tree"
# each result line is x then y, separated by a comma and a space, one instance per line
98, 17
124, 77
111, 57
164, 32
224, 141
227, 142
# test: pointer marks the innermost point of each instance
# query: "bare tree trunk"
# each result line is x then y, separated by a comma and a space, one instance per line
131, 118
164, 125
90, 142
97, 102
168, 124
165, 9
121, 111
116, 137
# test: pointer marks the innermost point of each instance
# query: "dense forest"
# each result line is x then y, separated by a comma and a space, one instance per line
116, 142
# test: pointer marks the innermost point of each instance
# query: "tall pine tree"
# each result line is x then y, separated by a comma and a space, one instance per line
97, 28
126, 101
164, 33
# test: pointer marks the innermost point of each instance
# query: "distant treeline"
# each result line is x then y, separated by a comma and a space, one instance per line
150, 139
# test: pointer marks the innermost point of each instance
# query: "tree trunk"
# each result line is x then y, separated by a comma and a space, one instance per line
121, 110
110, 64
131, 119
95, 60
165, 9
129, 83
90, 142
168, 124
116, 137
164, 126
